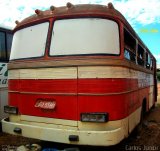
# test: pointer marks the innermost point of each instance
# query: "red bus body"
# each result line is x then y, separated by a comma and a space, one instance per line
83, 99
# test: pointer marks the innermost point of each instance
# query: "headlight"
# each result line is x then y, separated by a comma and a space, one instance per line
10, 109
94, 117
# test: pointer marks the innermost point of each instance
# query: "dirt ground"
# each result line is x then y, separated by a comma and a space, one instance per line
147, 139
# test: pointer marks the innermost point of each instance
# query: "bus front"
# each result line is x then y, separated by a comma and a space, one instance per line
66, 83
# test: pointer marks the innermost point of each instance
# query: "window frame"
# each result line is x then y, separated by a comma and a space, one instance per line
140, 59
129, 49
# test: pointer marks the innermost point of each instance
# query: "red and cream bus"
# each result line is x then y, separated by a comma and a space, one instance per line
78, 74
5, 48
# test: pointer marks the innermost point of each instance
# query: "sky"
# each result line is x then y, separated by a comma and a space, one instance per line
143, 15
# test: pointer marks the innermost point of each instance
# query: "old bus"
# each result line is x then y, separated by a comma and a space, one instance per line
78, 74
5, 47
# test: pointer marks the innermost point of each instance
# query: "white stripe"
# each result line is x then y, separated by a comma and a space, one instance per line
83, 72
45, 73
103, 72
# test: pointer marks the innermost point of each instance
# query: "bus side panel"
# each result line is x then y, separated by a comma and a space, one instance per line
3, 89
3, 101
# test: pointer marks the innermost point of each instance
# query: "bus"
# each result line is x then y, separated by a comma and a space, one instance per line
78, 74
5, 48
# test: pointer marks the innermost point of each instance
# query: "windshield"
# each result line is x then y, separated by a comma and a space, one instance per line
30, 42
85, 36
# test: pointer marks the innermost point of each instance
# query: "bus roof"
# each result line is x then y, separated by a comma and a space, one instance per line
73, 10
79, 11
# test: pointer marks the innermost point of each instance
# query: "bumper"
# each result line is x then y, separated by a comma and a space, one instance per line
93, 138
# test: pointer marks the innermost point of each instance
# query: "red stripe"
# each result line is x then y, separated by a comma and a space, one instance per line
70, 86
106, 85
69, 107
50, 86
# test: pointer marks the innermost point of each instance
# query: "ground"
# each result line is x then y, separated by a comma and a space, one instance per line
148, 138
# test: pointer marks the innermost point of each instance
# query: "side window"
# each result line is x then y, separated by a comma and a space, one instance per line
148, 61
151, 64
130, 46
127, 54
2, 46
9, 44
140, 55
